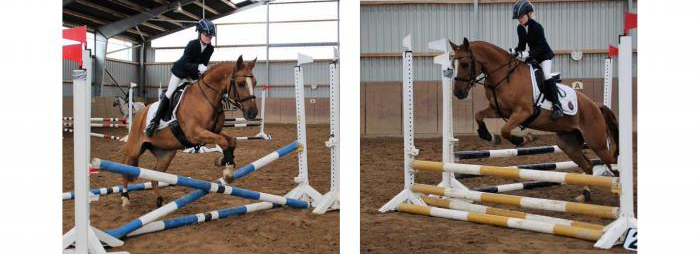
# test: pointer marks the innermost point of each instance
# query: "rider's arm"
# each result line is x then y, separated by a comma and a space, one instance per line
522, 39
538, 33
206, 55
190, 57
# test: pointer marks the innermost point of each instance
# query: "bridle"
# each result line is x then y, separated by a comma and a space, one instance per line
475, 79
237, 99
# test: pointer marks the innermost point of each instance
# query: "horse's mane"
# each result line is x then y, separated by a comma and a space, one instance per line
215, 67
490, 46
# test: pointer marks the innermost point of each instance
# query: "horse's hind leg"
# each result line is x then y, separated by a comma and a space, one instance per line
596, 136
163, 159
572, 145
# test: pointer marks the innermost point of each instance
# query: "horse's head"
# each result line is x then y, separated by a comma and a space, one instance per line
467, 69
242, 86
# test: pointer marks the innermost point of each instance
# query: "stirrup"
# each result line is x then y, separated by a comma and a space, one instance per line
557, 111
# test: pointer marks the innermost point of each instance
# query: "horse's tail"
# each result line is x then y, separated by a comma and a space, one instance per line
613, 129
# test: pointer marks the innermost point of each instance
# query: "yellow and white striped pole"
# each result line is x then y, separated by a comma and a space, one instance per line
515, 173
503, 221
469, 207
535, 203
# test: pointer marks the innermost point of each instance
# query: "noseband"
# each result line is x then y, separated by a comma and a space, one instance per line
473, 78
237, 99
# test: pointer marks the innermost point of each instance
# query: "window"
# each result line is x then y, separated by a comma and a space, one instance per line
244, 33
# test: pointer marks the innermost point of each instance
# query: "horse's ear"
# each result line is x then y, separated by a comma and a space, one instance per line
454, 47
465, 42
239, 62
252, 63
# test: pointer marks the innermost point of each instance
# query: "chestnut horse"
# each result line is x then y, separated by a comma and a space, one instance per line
509, 92
200, 117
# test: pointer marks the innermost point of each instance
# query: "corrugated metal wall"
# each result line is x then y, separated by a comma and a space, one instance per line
576, 25
282, 78
123, 72
282, 81
569, 26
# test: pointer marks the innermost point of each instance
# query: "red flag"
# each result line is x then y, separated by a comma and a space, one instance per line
73, 52
76, 34
266, 87
612, 50
630, 21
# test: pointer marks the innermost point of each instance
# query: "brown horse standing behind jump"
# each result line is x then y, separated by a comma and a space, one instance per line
200, 116
509, 92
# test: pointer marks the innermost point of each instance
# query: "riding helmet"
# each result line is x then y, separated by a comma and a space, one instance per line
522, 7
206, 26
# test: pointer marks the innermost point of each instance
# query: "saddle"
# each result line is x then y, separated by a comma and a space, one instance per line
567, 96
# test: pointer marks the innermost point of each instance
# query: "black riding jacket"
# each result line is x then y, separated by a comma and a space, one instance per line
186, 66
534, 37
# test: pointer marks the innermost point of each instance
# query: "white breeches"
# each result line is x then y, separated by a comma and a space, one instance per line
547, 69
172, 85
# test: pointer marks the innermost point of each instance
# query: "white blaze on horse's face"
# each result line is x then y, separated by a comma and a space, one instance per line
455, 65
249, 83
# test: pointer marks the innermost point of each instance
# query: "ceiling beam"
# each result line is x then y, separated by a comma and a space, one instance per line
239, 9
67, 2
90, 29
189, 14
121, 25
209, 9
229, 3
116, 13
97, 20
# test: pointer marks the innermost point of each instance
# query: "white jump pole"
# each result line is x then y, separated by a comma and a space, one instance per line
410, 151
303, 191
619, 228
331, 200
262, 133
448, 140
607, 87
83, 238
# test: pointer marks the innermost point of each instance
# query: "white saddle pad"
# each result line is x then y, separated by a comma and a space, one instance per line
567, 96
152, 113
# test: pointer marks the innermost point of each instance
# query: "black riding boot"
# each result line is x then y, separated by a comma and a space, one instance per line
160, 113
551, 94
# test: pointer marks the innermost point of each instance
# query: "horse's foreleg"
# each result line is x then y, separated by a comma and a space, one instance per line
483, 131
515, 119
225, 142
163, 159
572, 145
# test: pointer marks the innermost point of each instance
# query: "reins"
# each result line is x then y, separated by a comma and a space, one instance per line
474, 80
236, 102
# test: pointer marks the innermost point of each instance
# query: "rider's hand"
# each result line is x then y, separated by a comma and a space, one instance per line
523, 55
512, 52
201, 68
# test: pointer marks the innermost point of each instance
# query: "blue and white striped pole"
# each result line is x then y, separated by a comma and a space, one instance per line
192, 196
117, 189
137, 223
201, 217
137, 172
247, 169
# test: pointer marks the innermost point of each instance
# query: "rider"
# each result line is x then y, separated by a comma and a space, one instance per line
193, 63
531, 33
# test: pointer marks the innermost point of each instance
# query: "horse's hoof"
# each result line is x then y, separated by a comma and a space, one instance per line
159, 202
496, 140
530, 137
228, 173
125, 202
219, 161
585, 196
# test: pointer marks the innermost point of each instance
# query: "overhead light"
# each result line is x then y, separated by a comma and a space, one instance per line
178, 8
